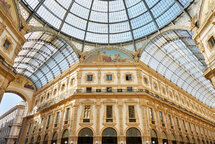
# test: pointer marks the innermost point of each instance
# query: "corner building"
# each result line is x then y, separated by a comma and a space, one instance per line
111, 71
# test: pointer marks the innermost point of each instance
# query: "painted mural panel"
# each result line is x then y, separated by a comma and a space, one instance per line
108, 55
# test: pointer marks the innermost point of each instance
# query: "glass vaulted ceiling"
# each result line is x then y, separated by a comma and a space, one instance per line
106, 21
175, 55
43, 57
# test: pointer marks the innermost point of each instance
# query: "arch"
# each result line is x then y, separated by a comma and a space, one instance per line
52, 50
85, 135
133, 136
52, 31
54, 138
65, 137
23, 94
46, 138
164, 138
38, 139
109, 136
154, 137
165, 54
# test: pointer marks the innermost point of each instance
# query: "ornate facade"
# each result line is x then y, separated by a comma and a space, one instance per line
111, 71
116, 102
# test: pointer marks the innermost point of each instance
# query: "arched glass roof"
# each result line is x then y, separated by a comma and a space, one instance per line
106, 21
43, 57
175, 55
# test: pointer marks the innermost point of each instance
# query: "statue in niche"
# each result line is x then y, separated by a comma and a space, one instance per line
87, 112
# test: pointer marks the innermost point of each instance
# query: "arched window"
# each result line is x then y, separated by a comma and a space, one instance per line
173, 139
85, 136
164, 138
54, 138
46, 138
133, 136
154, 137
38, 140
65, 136
109, 136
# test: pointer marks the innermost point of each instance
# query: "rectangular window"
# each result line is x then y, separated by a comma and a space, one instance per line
190, 127
98, 90
89, 89
195, 128
161, 118
152, 116
119, 90
89, 77
6, 44
128, 77
131, 113
211, 42
86, 113
170, 120
178, 122
48, 122
67, 116
109, 113
35, 126
129, 89
109, 77
29, 128
41, 124
57, 118
184, 125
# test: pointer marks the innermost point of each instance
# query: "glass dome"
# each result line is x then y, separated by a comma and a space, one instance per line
106, 21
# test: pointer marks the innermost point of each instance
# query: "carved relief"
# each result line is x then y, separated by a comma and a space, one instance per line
2, 28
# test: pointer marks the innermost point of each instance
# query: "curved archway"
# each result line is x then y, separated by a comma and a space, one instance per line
173, 139
133, 136
65, 137
85, 136
54, 138
181, 140
109, 136
154, 137
38, 139
46, 138
164, 138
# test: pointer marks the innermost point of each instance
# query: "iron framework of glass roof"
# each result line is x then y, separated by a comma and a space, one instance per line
43, 57
175, 55
107, 22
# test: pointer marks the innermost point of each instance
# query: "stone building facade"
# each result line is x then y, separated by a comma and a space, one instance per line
10, 123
